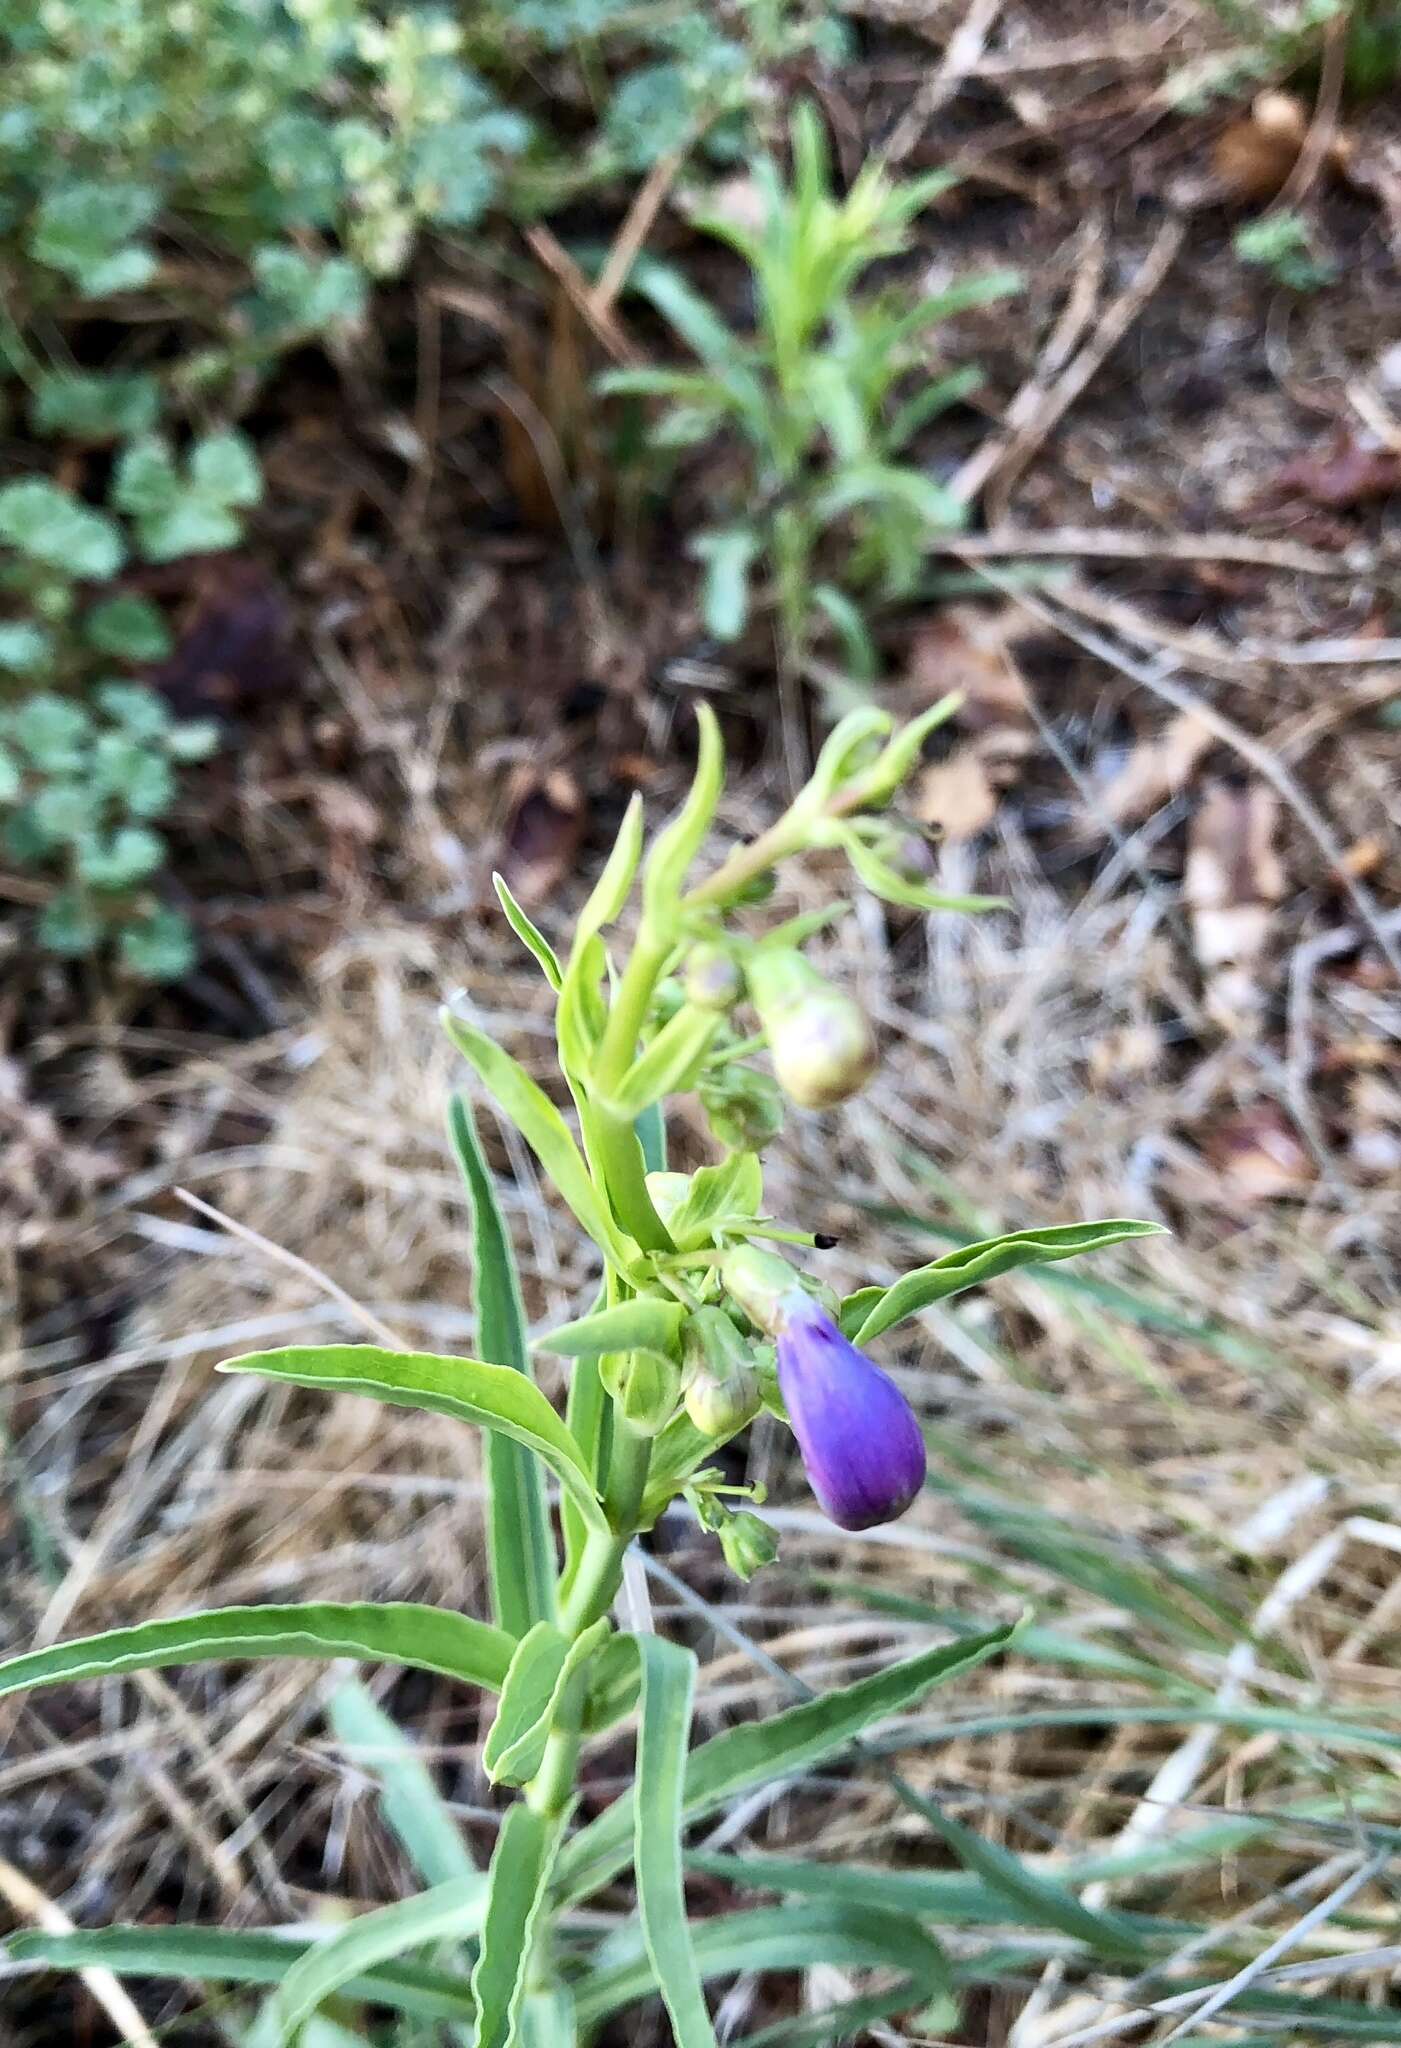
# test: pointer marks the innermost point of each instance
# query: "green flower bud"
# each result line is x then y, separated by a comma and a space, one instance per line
748, 1544
761, 1283
713, 979
820, 1039
744, 1108
649, 1392
722, 1387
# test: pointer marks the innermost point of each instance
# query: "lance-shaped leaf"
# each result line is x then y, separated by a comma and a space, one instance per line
541, 1672
646, 1324
580, 1014
678, 843
410, 1801
668, 1690
775, 1938
398, 1632
520, 1547
533, 940
874, 1309
228, 1955
489, 1396
542, 1127
447, 1912
520, 1871
757, 1751
670, 1064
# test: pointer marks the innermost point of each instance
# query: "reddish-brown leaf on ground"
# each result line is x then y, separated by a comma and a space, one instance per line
1232, 882
1350, 469
971, 649
1257, 1154
545, 822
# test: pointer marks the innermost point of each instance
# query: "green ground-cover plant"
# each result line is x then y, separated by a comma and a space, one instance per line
90, 759
1281, 244
1284, 40
823, 400
701, 1324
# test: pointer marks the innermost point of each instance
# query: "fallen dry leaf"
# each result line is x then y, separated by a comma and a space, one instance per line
956, 795
1232, 882
1157, 768
1352, 469
1258, 1155
970, 648
234, 647
1254, 156
545, 822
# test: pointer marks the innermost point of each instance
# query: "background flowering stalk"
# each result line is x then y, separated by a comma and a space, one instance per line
698, 1326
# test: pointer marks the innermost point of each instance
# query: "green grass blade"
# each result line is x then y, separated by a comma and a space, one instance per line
520, 1872
225, 1955
780, 1747
664, 1733
449, 1911
774, 1938
397, 1632
489, 1396
412, 1804
520, 1547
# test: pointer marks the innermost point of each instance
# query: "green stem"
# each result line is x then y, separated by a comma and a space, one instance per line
630, 1005
616, 1154
592, 1595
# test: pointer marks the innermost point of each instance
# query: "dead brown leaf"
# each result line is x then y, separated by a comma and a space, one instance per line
1157, 768
1258, 1155
1254, 156
970, 648
545, 822
1232, 882
1351, 469
235, 644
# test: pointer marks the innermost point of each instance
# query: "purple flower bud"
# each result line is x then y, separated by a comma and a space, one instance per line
861, 1443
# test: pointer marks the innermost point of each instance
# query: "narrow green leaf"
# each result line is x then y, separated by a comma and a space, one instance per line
875, 1309
520, 1872
449, 1912
670, 1064
1040, 1899
610, 891
589, 1412
520, 1547
678, 843
525, 931
540, 1675
226, 1955
780, 1747
412, 1804
489, 1396
664, 1732
645, 1323
397, 1632
614, 1683
542, 1127
774, 1938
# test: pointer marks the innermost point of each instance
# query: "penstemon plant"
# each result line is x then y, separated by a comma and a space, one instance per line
702, 1323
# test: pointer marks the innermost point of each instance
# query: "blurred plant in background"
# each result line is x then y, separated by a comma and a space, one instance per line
824, 400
